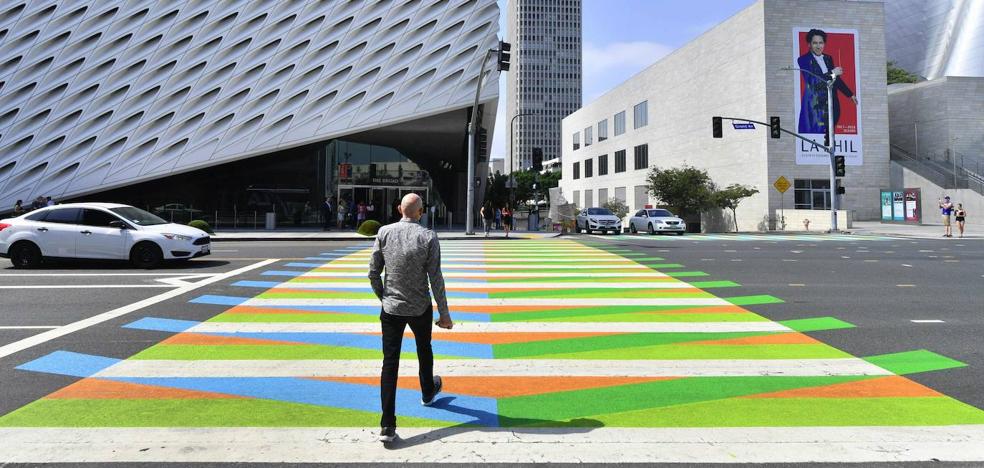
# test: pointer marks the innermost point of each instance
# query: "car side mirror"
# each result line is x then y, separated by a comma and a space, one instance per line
117, 224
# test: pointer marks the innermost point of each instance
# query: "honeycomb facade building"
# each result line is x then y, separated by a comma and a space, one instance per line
236, 107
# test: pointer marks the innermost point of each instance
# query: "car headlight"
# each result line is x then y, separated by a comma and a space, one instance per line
177, 237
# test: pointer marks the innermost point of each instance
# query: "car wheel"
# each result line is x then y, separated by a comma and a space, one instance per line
146, 255
633, 229
25, 254
651, 229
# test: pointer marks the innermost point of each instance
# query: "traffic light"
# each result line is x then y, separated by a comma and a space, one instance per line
826, 139
839, 168
840, 190
503, 52
716, 126
483, 142
537, 159
774, 128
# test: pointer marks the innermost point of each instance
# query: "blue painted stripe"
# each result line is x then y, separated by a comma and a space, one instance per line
305, 265
219, 300
282, 273
257, 284
161, 324
458, 408
355, 340
69, 363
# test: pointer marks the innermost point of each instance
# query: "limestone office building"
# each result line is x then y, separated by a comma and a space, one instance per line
661, 117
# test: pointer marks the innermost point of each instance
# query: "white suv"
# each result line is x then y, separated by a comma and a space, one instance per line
98, 231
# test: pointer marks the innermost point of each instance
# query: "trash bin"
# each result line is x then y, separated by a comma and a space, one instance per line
271, 220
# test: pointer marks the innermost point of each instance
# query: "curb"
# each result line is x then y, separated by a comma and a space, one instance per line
218, 238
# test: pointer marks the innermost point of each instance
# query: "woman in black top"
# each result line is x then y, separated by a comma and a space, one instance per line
961, 216
507, 219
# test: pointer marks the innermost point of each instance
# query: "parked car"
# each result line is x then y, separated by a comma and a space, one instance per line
656, 220
598, 219
104, 231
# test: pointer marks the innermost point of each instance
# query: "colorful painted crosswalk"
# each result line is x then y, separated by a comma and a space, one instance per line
549, 333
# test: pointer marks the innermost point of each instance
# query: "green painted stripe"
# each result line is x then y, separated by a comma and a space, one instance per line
598, 293
714, 284
193, 413
598, 343
754, 300
816, 324
798, 412
573, 312
660, 266
686, 274
665, 393
726, 352
911, 362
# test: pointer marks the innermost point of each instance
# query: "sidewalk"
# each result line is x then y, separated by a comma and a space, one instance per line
302, 234
922, 231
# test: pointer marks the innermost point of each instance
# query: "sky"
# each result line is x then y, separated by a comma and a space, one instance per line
621, 38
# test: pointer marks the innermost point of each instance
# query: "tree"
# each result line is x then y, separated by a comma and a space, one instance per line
616, 206
731, 196
687, 190
899, 75
525, 179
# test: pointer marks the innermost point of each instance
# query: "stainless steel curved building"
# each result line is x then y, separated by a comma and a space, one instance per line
936, 38
326, 96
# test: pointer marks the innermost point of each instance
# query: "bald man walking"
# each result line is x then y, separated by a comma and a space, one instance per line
411, 255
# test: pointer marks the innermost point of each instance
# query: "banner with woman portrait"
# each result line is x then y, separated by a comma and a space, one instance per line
820, 53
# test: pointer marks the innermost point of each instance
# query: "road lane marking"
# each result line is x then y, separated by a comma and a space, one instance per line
777, 445
907, 265
55, 275
927, 321
89, 286
905, 285
28, 327
797, 285
152, 368
49, 335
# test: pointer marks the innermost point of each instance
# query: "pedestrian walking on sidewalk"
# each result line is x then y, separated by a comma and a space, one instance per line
326, 214
410, 254
946, 209
488, 215
507, 219
961, 218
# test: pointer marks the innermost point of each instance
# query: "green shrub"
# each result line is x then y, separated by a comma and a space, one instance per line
201, 224
369, 228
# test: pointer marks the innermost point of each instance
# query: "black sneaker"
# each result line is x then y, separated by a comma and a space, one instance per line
438, 384
388, 434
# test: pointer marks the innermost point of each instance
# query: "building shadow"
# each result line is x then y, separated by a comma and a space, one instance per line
506, 424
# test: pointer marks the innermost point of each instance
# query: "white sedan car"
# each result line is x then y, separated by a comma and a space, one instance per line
656, 220
598, 219
103, 231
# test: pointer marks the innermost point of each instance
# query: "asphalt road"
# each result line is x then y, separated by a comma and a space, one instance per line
880, 286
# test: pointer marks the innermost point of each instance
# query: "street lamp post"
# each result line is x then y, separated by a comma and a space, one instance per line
470, 198
512, 138
831, 148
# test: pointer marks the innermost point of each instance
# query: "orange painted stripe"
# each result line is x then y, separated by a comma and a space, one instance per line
505, 338
251, 310
98, 389
213, 340
774, 338
882, 387
506, 387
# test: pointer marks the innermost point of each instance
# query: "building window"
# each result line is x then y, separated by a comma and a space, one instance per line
641, 157
587, 136
577, 198
620, 161
588, 168
811, 194
603, 130
588, 200
640, 115
603, 165
577, 170
602, 196
577, 140
620, 194
620, 123
641, 197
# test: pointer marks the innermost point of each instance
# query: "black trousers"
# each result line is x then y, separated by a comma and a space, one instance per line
393, 328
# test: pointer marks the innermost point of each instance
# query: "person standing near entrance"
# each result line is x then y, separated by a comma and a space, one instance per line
360, 214
326, 215
507, 218
946, 209
342, 213
371, 210
411, 256
961, 218
488, 217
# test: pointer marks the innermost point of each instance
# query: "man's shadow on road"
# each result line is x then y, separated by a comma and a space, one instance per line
506, 424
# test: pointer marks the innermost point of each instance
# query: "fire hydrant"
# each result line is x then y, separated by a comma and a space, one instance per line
806, 224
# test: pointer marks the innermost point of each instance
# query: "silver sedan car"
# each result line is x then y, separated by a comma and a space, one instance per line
656, 220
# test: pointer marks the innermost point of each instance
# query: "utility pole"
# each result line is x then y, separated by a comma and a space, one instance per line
503, 65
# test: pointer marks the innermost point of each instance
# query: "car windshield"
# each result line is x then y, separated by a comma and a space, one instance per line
137, 216
660, 213
598, 211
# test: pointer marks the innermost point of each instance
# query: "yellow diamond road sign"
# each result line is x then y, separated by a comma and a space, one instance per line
781, 184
